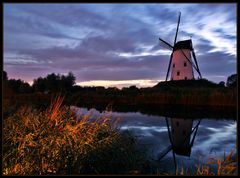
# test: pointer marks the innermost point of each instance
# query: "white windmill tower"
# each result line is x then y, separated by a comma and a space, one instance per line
181, 63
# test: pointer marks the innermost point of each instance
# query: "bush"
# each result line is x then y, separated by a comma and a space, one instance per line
55, 141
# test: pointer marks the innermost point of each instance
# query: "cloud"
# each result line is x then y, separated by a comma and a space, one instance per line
217, 66
115, 41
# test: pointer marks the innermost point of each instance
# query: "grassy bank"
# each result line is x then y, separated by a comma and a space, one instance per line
188, 93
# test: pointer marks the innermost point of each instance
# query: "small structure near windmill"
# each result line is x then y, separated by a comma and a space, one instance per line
181, 63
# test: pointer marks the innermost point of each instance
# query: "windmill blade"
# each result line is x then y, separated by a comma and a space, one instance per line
175, 40
194, 57
174, 159
170, 139
165, 44
166, 151
196, 127
189, 60
169, 66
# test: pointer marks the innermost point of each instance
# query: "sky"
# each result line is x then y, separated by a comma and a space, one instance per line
115, 45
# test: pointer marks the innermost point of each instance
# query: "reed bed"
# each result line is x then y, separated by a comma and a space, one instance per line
55, 142
226, 166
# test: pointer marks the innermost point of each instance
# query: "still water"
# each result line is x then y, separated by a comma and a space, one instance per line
171, 143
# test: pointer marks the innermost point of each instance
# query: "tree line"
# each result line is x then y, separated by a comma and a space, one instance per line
65, 84
51, 83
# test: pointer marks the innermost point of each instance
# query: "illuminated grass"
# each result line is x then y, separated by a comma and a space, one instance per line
54, 141
225, 167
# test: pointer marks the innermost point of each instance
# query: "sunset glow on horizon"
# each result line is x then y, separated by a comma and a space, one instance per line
120, 84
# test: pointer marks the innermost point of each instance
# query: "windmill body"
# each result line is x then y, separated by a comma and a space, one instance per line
182, 68
182, 60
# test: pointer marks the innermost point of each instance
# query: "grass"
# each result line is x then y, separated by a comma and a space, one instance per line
55, 141
225, 166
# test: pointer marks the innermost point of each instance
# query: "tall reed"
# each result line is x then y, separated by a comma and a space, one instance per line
54, 141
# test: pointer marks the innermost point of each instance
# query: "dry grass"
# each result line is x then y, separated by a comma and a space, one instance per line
225, 167
55, 142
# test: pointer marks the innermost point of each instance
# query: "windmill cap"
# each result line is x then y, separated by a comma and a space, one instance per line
186, 44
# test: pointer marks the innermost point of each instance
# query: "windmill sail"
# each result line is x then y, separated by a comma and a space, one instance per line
165, 44
177, 28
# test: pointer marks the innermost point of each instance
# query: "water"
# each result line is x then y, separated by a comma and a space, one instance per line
214, 137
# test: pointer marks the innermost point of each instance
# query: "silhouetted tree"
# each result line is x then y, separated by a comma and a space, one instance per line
70, 79
67, 82
222, 84
54, 83
39, 84
5, 77
232, 80
6, 90
19, 86
133, 87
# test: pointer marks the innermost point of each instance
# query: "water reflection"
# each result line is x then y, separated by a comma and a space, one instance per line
181, 136
181, 130
209, 137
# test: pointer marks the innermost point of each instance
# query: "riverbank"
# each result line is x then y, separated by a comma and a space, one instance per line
209, 97
170, 102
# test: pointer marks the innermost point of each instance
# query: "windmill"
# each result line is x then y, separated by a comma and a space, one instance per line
180, 62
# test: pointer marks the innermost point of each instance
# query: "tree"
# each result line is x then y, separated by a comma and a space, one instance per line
67, 82
54, 83
6, 90
222, 84
232, 80
39, 84
19, 86
5, 77
70, 79
25, 88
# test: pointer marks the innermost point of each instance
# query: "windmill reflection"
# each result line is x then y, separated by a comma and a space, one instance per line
181, 135
181, 131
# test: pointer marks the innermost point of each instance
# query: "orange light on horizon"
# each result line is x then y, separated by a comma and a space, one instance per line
119, 83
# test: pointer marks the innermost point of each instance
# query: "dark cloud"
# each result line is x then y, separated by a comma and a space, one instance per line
113, 41
217, 66
203, 46
32, 25
65, 14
